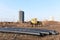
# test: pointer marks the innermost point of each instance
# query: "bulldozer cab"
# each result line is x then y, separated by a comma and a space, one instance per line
34, 21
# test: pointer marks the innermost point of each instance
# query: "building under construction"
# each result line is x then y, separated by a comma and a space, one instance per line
21, 16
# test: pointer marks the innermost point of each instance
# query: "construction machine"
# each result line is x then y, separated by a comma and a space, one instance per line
34, 21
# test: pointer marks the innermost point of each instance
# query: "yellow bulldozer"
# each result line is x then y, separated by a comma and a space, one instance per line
34, 21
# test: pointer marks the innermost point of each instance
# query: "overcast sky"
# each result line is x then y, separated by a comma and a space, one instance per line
41, 9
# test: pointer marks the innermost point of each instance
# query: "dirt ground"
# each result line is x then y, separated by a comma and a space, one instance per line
11, 36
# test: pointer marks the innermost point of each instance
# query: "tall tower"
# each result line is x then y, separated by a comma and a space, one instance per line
21, 16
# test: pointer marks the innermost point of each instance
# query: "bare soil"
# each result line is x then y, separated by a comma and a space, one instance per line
50, 26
